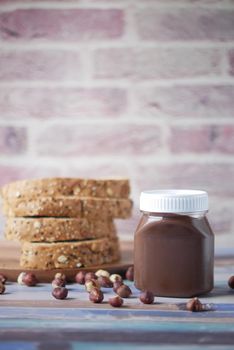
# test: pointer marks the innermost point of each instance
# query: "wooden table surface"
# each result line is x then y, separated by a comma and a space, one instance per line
30, 318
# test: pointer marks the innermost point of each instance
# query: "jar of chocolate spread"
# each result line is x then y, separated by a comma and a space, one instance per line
174, 244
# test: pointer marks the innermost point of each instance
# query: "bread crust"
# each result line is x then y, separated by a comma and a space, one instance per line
59, 255
103, 188
73, 207
57, 229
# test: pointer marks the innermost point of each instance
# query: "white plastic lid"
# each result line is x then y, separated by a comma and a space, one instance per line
174, 201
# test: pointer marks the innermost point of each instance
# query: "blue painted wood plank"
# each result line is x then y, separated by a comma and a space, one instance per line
221, 311
17, 345
116, 325
124, 346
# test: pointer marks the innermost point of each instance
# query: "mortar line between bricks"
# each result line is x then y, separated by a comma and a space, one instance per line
121, 4
181, 4
120, 83
128, 119
130, 33
86, 63
63, 5
123, 42
184, 5
173, 158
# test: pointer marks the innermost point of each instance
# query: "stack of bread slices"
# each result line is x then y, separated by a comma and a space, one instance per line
65, 222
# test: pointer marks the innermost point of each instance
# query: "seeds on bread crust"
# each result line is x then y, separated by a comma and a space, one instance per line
57, 229
103, 188
71, 207
88, 253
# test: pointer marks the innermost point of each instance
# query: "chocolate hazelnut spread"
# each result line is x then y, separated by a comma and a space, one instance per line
174, 247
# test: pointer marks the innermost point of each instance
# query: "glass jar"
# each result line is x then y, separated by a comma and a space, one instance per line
174, 244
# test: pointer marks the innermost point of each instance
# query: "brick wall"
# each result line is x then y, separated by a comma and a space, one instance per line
143, 89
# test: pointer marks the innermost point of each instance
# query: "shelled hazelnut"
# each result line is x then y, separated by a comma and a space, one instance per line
80, 277
124, 291
60, 293
105, 282
57, 282
96, 295
146, 297
90, 284
231, 282
115, 278
2, 288
90, 276
130, 273
116, 301
116, 285
3, 278
102, 273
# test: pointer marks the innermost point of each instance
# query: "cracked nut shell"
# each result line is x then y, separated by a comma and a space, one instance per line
194, 305
60, 293
96, 295
124, 291
146, 297
116, 301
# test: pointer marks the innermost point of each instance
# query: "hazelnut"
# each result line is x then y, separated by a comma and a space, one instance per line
57, 282
116, 285
194, 305
80, 277
130, 273
90, 276
116, 301
146, 297
3, 278
20, 278
105, 282
115, 278
2, 288
231, 282
96, 295
29, 279
60, 276
103, 273
124, 291
89, 285
60, 293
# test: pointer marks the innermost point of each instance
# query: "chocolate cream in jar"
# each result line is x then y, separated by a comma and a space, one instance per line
174, 244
